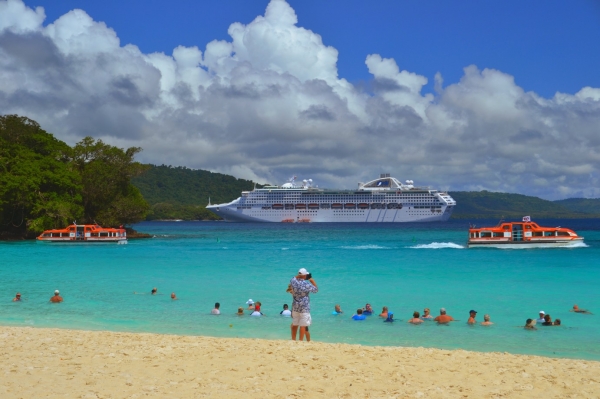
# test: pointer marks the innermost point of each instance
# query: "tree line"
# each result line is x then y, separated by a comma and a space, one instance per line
45, 183
176, 192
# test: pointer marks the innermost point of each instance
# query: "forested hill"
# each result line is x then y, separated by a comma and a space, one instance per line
585, 205
182, 193
486, 204
177, 192
184, 186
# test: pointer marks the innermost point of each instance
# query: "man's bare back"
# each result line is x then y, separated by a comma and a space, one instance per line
444, 318
56, 298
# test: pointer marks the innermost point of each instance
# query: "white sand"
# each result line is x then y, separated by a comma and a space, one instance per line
53, 363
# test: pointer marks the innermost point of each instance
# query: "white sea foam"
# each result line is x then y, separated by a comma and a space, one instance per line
438, 245
284, 249
576, 244
370, 246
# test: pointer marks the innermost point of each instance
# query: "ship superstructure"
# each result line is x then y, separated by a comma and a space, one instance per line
381, 200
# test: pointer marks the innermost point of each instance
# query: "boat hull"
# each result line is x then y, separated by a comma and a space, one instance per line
232, 214
526, 244
73, 241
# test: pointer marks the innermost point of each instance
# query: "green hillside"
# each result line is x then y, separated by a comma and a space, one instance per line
485, 204
182, 193
584, 205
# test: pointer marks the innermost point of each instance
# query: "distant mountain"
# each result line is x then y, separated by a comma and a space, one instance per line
486, 204
584, 205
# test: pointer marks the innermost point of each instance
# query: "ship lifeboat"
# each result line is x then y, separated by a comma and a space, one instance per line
277, 206
287, 221
84, 233
304, 220
524, 234
363, 206
289, 206
349, 206
300, 206
313, 206
336, 206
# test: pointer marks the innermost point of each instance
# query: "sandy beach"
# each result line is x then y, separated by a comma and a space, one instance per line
54, 363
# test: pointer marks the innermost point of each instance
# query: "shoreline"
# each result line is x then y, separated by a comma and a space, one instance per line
50, 362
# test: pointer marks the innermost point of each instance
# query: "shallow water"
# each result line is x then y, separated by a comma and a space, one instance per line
406, 267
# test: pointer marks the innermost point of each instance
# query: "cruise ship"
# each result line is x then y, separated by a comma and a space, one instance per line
383, 200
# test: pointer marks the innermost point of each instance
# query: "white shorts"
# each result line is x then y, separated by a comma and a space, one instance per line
301, 319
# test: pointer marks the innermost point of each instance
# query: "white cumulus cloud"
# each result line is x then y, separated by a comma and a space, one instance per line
269, 103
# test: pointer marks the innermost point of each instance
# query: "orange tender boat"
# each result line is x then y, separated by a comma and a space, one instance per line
525, 234
84, 233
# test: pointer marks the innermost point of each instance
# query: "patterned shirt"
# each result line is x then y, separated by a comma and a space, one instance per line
300, 291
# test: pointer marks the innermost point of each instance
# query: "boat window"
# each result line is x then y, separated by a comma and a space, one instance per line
537, 234
562, 233
499, 234
486, 234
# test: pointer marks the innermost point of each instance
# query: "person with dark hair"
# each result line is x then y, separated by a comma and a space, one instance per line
416, 318
530, 324
547, 321
286, 311
359, 315
216, 309
472, 315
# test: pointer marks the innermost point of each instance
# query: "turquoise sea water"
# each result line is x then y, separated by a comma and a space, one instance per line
406, 267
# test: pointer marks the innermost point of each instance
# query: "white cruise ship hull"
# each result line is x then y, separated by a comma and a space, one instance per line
330, 216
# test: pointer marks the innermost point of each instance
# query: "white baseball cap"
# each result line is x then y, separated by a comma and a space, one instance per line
303, 271
56, 291
542, 312
249, 301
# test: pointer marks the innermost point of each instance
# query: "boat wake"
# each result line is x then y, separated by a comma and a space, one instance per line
370, 246
579, 244
438, 245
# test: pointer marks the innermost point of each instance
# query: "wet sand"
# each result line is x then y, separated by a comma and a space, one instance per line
53, 363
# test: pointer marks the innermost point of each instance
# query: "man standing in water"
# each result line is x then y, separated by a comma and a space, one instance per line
302, 285
56, 298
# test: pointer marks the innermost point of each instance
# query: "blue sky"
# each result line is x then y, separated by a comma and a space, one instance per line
548, 46
471, 95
